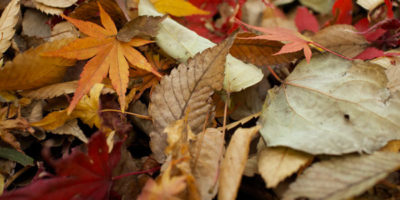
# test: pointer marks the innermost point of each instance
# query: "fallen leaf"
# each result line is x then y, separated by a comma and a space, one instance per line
48, 9
305, 20
85, 175
238, 75
188, 90
369, 4
71, 128
178, 8
321, 6
259, 52
8, 20
34, 24
57, 3
343, 10
392, 146
108, 56
233, 165
343, 178
370, 53
14, 155
207, 153
276, 164
140, 26
30, 70
392, 66
341, 38
332, 106
63, 30
296, 41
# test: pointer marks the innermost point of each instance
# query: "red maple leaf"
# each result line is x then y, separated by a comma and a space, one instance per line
305, 20
210, 26
79, 175
343, 10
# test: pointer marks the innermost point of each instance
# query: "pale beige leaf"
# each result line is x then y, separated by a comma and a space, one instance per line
182, 43
30, 70
392, 66
63, 30
57, 3
35, 24
188, 90
370, 4
233, 165
56, 90
321, 6
8, 20
48, 9
207, 153
71, 128
276, 164
251, 167
332, 106
341, 38
343, 178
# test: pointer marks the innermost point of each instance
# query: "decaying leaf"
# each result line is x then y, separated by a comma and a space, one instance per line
259, 52
321, 6
332, 106
34, 24
63, 30
30, 70
8, 20
341, 38
207, 153
178, 8
343, 178
71, 128
233, 165
48, 9
188, 90
238, 75
276, 164
140, 26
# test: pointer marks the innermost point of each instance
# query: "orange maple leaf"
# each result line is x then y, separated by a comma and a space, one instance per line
108, 56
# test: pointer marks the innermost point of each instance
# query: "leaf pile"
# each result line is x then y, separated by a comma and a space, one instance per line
191, 99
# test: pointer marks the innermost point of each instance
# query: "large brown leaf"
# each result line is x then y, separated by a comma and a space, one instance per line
187, 89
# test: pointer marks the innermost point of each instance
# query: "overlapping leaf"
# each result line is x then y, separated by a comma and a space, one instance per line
8, 20
108, 56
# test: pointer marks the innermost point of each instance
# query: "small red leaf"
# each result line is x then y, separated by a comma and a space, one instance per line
363, 25
343, 10
305, 20
389, 7
370, 53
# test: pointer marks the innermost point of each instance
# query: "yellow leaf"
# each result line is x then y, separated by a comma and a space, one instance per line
178, 8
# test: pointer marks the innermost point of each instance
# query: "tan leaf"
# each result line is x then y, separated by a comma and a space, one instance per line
276, 164
8, 20
34, 24
71, 128
57, 3
341, 38
63, 30
10, 139
260, 52
56, 90
207, 152
233, 165
29, 70
188, 89
344, 177
369, 4
48, 9
140, 26
392, 66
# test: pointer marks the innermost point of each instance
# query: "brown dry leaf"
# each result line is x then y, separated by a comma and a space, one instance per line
187, 90
343, 177
88, 11
233, 165
207, 153
392, 146
8, 20
10, 139
29, 70
57, 90
140, 26
341, 38
71, 128
34, 24
57, 3
48, 9
276, 164
260, 52
63, 30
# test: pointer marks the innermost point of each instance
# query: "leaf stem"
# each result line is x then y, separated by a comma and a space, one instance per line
135, 173
129, 113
